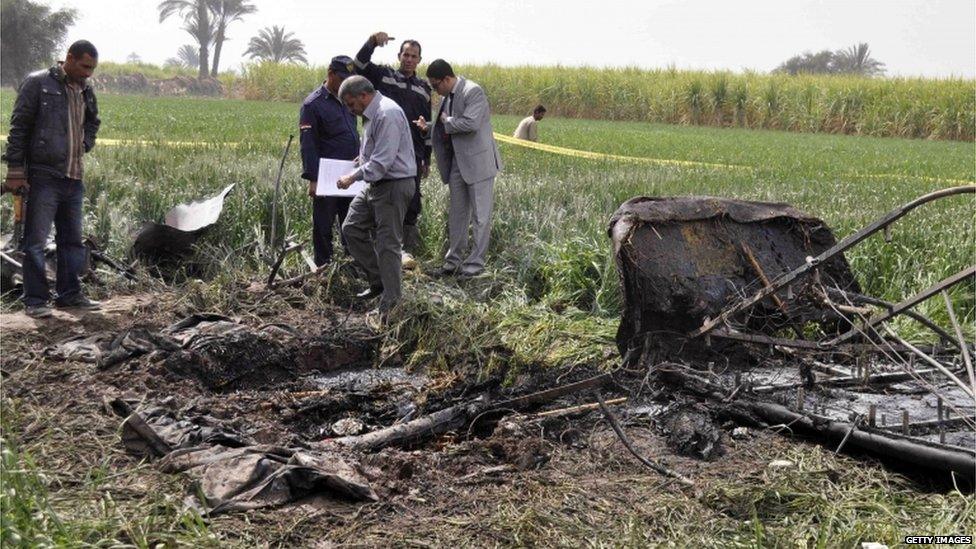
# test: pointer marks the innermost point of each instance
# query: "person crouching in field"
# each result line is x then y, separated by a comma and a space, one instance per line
468, 160
327, 130
528, 128
387, 164
53, 124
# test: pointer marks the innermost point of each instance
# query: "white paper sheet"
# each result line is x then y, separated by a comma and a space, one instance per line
329, 173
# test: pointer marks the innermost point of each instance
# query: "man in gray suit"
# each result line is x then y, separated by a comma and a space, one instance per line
468, 160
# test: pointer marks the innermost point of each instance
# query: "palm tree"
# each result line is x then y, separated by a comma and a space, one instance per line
187, 57
224, 13
857, 60
196, 21
276, 45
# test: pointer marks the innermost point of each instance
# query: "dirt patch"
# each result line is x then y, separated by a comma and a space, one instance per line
68, 320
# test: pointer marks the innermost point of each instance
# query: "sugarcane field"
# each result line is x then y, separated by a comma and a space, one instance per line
463, 282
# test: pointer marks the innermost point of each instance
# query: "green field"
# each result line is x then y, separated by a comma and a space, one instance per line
551, 298
844, 104
550, 222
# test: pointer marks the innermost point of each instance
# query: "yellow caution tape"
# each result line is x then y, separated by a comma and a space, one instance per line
575, 153
906, 176
606, 156
145, 142
690, 163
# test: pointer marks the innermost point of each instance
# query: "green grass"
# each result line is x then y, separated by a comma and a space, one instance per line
550, 221
35, 512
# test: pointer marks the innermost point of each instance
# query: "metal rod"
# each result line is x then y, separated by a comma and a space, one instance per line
906, 304
962, 340
277, 264
801, 343
914, 315
886, 377
938, 365
840, 247
941, 424
904, 422
8, 258
277, 190
757, 268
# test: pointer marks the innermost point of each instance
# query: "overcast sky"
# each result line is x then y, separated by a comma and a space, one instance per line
935, 38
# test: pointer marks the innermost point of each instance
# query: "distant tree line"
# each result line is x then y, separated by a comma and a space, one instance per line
30, 36
854, 60
206, 21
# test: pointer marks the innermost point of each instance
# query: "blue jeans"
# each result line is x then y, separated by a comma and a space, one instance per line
57, 200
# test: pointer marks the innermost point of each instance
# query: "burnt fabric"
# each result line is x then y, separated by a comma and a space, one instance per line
682, 260
232, 475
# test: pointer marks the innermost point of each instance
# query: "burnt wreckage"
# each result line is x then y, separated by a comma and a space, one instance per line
733, 309
752, 307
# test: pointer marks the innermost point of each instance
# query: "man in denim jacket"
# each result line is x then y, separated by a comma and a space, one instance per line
53, 124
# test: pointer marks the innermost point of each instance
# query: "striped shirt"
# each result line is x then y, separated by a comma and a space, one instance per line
74, 167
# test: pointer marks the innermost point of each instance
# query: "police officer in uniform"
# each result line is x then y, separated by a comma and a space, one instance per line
328, 130
412, 94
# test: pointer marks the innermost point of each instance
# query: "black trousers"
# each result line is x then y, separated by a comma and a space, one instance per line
413, 209
326, 212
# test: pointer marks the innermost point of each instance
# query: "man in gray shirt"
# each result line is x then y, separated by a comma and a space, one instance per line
387, 164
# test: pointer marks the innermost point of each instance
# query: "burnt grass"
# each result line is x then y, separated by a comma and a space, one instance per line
512, 479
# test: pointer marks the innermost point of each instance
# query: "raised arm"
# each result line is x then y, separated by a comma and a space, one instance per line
364, 64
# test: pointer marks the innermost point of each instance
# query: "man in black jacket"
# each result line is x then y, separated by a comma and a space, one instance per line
328, 130
53, 124
412, 93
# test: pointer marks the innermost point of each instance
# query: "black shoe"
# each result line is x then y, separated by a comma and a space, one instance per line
79, 302
469, 274
370, 293
38, 311
441, 272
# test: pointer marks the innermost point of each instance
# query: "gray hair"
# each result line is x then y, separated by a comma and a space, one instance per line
354, 86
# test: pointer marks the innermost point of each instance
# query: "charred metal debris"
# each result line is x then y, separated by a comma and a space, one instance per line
752, 308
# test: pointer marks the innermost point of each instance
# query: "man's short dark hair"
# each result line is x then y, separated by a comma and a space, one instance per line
81, 47
411, 42
439, 69
539, 108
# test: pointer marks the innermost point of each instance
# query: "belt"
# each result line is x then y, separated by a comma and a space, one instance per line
382, 181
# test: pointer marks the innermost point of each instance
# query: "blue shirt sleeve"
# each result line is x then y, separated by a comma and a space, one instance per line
308, 128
